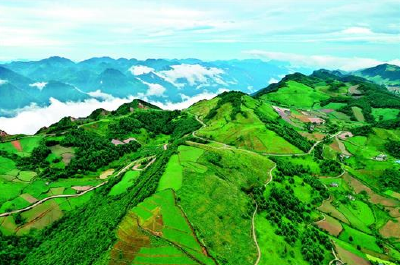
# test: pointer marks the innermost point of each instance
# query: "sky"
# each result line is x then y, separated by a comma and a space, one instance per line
317, 33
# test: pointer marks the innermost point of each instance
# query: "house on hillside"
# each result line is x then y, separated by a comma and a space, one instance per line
334, 184
351, 197
380, 157
126, 141
318, 121
116, 142
345, 135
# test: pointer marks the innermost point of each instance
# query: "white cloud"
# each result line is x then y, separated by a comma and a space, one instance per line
30, 119
321, 61
2, 82
100, 95
193, 73
357, 30
273, 81
140, 69
187, 101
154, 89
39, 85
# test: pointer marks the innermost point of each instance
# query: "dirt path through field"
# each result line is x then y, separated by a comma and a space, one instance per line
78, 194
229, 147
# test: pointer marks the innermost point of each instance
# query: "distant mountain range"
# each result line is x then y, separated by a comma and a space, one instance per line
158, 80
384, 74
24, 83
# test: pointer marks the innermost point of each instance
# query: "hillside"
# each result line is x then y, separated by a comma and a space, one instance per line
305, 171
384, 74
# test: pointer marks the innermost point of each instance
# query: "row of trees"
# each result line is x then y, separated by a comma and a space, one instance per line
286, 132
175, 123
83, 235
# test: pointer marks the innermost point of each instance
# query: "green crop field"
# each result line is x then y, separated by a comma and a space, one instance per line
356, 237
127, 181
385, 114
296, 94
172, 178
358, 114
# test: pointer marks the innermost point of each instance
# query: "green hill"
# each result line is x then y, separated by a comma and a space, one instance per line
305, 171
384, 74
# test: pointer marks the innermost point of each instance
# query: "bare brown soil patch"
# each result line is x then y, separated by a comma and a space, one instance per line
313, 136
342, 148
17, 145
358, 186
81, 188
29, 198
66, 157
335, 146
131, 239
328, 208
331, 225
106, 173
353, 90
350, 258
391, 229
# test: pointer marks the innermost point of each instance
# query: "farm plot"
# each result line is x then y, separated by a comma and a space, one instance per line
331, 225
359, 215
253, 136
328, 208
22, 147
356, 237
172, 177
385, 114
186, 159
349, 255
391, 229
296, 94
216, 204
40, 217
127, 181
65, 153
157, 232
358, 114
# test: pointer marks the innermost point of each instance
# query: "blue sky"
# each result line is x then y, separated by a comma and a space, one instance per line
334, 34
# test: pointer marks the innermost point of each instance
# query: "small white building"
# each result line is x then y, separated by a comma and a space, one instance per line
380, 157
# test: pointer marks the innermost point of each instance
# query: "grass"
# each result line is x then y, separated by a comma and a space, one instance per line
385, 114
246, 132
354, 218
295, 94
166, 227
172, 177
274, 249
358, 114
127, 181
216, 205
10, 190
334, 105
27, 144
359, 238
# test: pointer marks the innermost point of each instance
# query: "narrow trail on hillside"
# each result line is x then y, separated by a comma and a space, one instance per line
253, 228
229, 147
123, 170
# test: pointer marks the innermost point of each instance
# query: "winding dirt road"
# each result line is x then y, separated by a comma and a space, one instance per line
229, 147
82, 193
